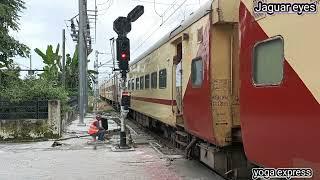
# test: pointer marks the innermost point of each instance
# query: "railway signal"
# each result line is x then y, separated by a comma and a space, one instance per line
123, 52
122, 26
135, 13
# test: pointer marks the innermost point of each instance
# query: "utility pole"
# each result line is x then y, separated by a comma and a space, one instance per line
30, 71
82, 60
30, 62
63, 57
96, 83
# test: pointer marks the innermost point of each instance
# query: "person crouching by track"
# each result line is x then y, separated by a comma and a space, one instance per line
96, 129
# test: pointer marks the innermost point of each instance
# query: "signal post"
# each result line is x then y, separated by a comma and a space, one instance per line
122, 26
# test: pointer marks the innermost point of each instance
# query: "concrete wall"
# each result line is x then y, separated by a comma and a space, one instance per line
26, 129
29, 129
68, 117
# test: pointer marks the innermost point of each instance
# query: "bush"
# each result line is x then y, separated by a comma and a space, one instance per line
31, 88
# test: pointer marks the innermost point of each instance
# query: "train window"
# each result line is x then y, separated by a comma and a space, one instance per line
141, 82
197, 72
132, 84
154, 79
137, 84
147, 81
268, 57
162, 78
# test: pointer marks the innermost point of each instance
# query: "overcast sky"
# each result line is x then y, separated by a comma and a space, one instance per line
42, 23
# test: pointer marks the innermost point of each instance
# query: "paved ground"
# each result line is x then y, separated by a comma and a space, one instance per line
76, 159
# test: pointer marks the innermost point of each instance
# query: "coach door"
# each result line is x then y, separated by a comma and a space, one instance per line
178, 79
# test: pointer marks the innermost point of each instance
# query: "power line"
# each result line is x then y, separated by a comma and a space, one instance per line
159, 26
172, 6
101, 4
168, 4
110, 4
154, 7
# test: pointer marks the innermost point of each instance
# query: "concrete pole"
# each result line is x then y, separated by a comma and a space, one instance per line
82, 61
63, 57
30, 61
86, 80
95, 86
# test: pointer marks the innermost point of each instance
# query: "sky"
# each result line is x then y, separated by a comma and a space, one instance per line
42, 22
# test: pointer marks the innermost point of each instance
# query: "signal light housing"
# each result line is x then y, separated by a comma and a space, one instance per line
123, 52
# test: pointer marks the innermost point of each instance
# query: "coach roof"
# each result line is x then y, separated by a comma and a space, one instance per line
204, 10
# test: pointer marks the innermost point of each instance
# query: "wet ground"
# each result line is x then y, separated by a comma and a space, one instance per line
79, 159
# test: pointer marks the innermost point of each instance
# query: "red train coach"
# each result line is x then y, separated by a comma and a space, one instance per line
280, 88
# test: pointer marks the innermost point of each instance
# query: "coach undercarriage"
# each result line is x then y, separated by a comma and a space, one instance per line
229, 161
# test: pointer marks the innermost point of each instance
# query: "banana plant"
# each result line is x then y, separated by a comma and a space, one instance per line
53, 68
72, 72
52, 61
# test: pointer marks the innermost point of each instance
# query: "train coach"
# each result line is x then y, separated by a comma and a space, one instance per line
235, 88
110, 90
280, 88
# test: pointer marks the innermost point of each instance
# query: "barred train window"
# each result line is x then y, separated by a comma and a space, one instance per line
154, 80
163, 79
137, 84
268, 57
132, 84
197, 72
147, 81
141, 82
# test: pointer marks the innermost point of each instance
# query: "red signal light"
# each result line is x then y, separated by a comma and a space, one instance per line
123, 55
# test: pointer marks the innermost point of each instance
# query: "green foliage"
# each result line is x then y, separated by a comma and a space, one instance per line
9, 47
52, 61
31, 88
9, 75
53, 69
72, 72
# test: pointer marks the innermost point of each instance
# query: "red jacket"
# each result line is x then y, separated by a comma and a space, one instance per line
93, 129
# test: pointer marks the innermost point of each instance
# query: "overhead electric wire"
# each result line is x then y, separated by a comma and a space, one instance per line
154, 7
159, 26
172, 6
110, 4
153, 2
100, 4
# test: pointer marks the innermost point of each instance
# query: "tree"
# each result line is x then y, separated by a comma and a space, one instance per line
7, 76
52, 61
53, 68
9, 17
72, 72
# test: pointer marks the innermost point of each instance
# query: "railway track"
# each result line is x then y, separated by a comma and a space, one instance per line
143, 136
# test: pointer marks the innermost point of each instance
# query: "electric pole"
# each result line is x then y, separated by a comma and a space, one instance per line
96, 82
30, 72
63, 57
30, 61
82, 60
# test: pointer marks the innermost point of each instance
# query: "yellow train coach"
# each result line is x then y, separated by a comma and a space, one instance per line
110, 90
